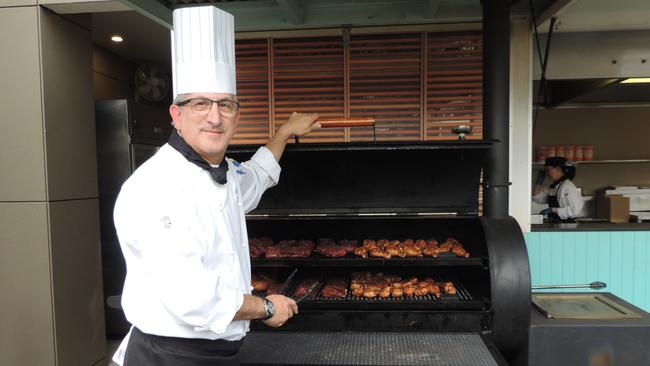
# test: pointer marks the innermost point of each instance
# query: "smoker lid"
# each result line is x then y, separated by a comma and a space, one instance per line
369, 178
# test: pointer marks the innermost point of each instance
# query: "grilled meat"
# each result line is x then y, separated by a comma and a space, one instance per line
335, 288
290, 249
257, 246
303, 287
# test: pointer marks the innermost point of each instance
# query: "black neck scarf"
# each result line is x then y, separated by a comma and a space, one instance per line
217, 174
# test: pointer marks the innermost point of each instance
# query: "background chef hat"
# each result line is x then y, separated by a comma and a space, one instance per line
203, 51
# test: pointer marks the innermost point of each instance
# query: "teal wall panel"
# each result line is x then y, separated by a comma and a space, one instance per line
619, 258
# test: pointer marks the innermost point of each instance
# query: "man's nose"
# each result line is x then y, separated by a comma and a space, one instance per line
213, 116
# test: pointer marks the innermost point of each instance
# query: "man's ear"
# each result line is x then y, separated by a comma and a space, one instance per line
175, 113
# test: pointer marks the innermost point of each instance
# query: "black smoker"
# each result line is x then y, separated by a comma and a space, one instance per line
393, 191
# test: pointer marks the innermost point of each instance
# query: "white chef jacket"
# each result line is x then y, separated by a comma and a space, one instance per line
568, 197
186, 247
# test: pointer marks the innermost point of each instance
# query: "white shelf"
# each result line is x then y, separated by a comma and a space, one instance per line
535, 163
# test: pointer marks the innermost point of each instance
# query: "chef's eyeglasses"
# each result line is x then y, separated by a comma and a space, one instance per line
202, 106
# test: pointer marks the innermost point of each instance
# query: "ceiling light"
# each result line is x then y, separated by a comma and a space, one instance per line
117, 38
636, 80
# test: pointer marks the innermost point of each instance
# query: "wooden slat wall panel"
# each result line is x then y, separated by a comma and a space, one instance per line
308, 76
252, 91
454, 84
377, 76
385, 82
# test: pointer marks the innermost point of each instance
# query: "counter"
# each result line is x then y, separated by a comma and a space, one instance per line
590, 341
592, 226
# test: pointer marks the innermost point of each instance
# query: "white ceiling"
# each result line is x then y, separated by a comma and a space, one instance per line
602, 15
144, 39
147, 41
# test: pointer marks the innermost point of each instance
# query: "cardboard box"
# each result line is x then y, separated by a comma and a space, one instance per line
639, 201
614, 208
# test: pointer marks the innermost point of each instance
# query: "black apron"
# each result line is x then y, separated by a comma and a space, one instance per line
553, 202
151, 350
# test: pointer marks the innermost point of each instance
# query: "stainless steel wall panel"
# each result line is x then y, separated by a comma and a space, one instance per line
68, 106
77, 282
22, 160
26, 331
12, 3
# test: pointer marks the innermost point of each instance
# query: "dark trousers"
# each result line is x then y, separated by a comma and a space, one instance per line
152, 350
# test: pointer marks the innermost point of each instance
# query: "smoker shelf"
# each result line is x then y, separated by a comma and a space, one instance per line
321, 261
462, 300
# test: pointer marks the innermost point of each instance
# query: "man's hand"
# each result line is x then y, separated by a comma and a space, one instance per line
285, 308
300, 124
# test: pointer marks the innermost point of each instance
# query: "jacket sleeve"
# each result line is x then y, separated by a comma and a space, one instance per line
165, 255
541, 197
571, 202
257, 175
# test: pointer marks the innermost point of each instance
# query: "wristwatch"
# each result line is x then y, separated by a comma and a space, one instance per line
269, 309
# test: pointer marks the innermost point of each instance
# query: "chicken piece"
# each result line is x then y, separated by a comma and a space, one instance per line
379, 253
394, 251
397, 285
431, 250
421, 244
422, 290
445, 247
408, 242
449, 288
409, 290
384, 292
435, 290
411, 281
362, 252
368, 242
357, 292
369, 294
412, 251
460, 251
382, 242
397, 291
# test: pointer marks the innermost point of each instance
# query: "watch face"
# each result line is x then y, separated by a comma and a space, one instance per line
271, 308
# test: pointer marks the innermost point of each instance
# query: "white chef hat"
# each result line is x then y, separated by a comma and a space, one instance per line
203, 51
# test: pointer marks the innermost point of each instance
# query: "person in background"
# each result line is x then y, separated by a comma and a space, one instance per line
180, 218
564, 200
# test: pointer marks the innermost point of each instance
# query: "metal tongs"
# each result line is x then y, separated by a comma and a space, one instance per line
309, 291
596, 285
285, 285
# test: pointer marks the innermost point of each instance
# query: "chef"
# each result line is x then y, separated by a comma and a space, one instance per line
180, 217
563, 198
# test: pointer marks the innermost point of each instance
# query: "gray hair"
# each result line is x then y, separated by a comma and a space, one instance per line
180, 98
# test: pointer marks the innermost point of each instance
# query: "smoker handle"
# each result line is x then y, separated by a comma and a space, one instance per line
347, 122
344, 122
596, 285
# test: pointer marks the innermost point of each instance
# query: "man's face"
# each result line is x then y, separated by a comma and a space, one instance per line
208, 133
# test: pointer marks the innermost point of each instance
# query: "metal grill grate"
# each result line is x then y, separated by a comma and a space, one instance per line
400, 349
461, 295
